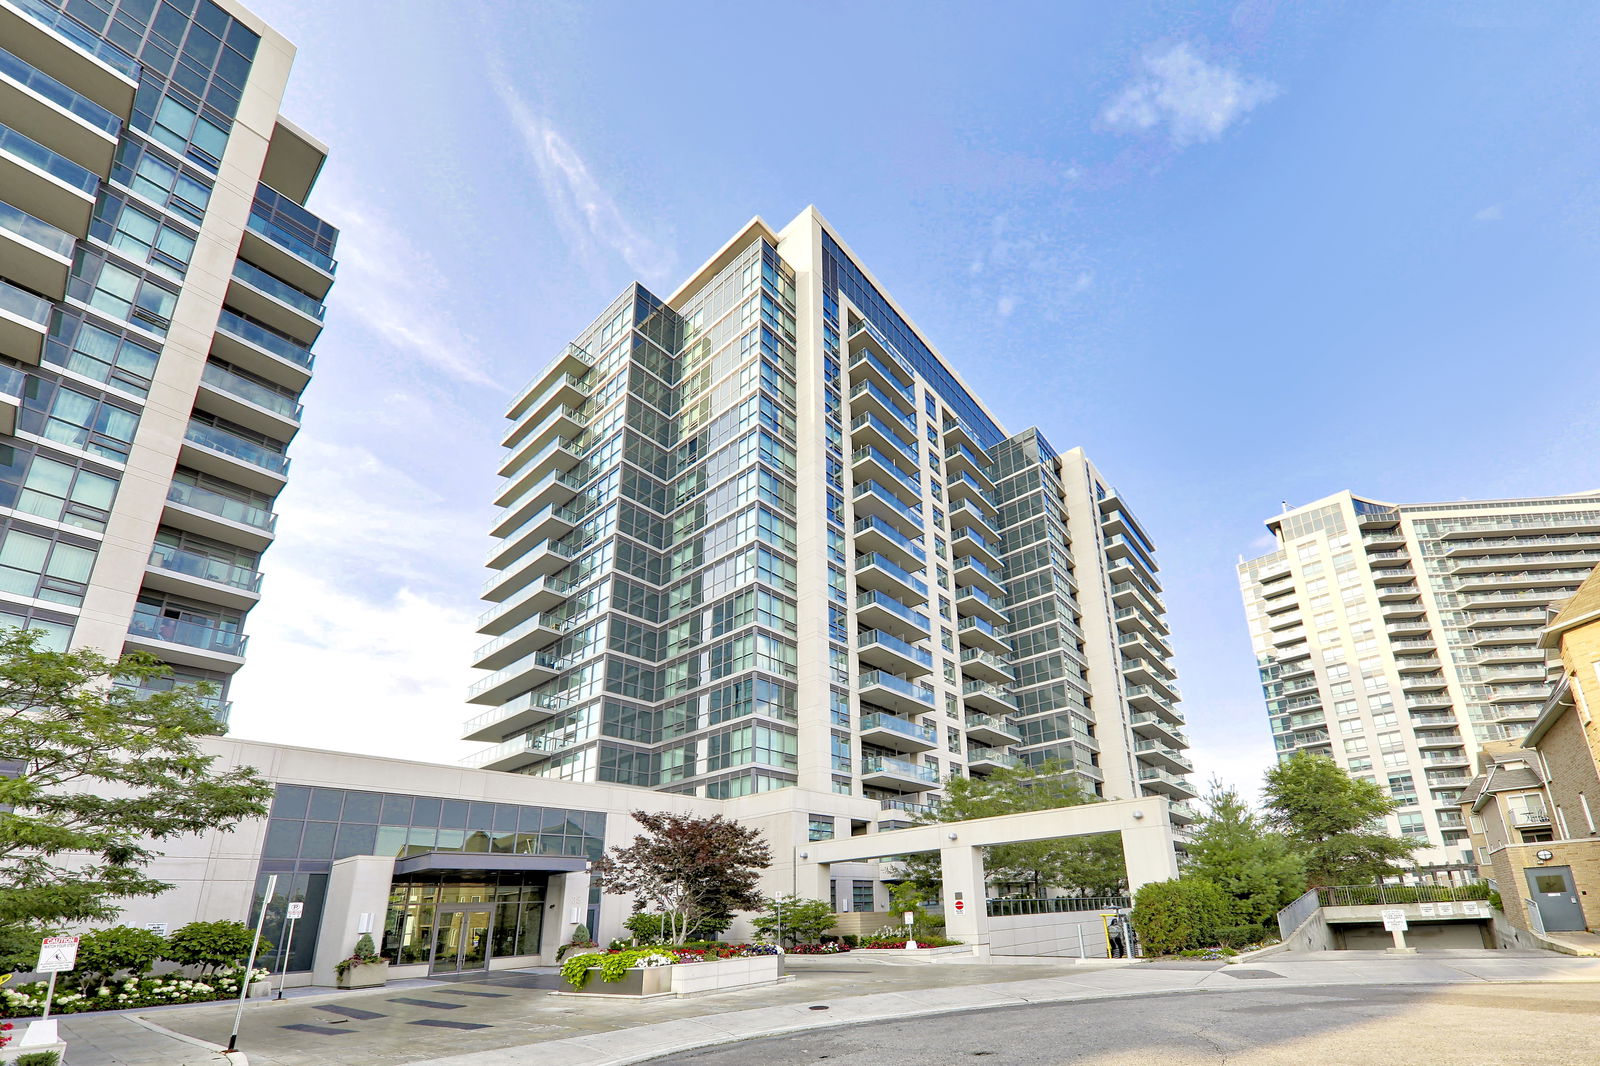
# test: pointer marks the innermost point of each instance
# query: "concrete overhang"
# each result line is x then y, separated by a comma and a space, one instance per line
454, 862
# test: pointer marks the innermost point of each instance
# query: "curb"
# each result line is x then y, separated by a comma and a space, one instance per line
238, 1058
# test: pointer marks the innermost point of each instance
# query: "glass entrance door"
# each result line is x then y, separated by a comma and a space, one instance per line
461, 940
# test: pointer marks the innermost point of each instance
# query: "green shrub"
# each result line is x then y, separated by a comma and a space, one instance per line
212, 945
38, 1058
1238, 936
802, 921
613, 965
1170, 916
580, 939
645, 926
103, 953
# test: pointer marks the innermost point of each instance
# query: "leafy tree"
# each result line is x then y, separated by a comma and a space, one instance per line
1172, 916
103, 953
1253, 865
1090, 865
690, 869
1334, 821
212, 945
103, 773
801, 921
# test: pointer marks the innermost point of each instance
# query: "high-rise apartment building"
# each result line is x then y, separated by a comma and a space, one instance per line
161, 284
1399, 638
759, 534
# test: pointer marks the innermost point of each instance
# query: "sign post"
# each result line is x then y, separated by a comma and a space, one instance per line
1394, 921
296, 909
57, 954
250, 967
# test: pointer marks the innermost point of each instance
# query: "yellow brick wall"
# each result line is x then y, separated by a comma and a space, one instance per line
1512, 864
1574, 778
1580, 651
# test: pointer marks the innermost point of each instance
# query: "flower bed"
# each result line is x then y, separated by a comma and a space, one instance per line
922, 942
832, 947
649, 970
27, 1001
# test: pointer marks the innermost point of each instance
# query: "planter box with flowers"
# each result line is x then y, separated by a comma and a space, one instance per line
26, 1001
365, 968
662, 971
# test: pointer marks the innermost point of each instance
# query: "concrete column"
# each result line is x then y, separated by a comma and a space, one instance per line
811, 879
963, 874
1147, 851
358, 886
567, 907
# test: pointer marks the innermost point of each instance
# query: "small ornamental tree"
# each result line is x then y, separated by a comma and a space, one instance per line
689, 869
212, 945
1172, 916
1334, 821
801, 921
103, 953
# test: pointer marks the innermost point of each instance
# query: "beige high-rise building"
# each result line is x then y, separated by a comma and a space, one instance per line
759, 535
1398, 638
161, 284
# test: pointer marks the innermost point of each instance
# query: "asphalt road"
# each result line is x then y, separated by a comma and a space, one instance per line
1495, 1025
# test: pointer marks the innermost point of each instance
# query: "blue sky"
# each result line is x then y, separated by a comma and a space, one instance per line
1242, 253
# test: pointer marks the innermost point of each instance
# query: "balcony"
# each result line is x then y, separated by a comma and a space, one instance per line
873, 464
277, 303
1407, 627
49, 40
874, 501
957, 432
559, 456
879, 610
191, 574
564, 390
1135, 594
185, 643
867, 398
1166, 784
986, 696
1300, 739
572, 360
46, 184
895, 693
512, 717
1133, 620
249, 403
897, 775
1146, 698
549, 523
897, 734
13, 383
1446, 758
533, 669
1159, 727
969, 541
1411, 665
964, 488
218, 452
987, 729
543, 559
555, 488
874, 534
55, 114
1438, 738
1154, 753
978, 633
975, 602
33, 252
1529, 818
517, 639
286, 254
521, 752
866, 365
542, 594
211, 514
870, 429
988, 760
887, 651
986, 666
971, 570
24, 324
562, 422
261, 351
961, 459
965, 515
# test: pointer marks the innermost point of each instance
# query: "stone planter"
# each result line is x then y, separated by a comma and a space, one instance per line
259, 989
367, 975
688, 978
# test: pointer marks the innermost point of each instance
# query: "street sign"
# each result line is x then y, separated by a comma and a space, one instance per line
297, 909
961, 905
57, 954
1393, 921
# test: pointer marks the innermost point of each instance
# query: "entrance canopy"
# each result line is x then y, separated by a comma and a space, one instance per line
451, 862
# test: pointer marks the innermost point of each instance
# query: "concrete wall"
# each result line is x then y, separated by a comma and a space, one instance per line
1313, 934
1075, 934
1427, 935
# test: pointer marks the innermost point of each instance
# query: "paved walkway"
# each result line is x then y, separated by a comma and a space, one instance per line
508, 1019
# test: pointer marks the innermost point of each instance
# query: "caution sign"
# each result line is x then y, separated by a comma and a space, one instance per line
57, 954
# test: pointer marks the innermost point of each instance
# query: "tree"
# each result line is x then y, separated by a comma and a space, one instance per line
1172, 916
690, 869
1087, 865
1252, 864
801, 921
104, 772
103, 953
212, 945
1334, 821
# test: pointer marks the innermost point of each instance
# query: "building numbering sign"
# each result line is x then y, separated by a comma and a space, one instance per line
57, 954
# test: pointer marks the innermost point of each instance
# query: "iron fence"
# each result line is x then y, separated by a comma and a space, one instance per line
1001, 908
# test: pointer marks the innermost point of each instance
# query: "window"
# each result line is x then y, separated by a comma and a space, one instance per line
121, 293
141, 236
99, 353
1355, 745
77, 419
820, 827
38, 567
1411, 824
60, 492
861, 895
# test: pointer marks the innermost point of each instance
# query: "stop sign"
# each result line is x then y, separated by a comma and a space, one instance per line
961, 905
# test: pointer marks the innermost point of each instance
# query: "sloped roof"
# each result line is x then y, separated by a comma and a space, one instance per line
1583, 607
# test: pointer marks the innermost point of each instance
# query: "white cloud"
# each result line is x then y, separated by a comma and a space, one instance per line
1195, 101
1005, 306
1028, 267
394, 290
1492, 213
1239, 765
586, 212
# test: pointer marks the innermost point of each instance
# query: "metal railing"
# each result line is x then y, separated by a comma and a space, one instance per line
1292, 916
1002, 908
1381, 895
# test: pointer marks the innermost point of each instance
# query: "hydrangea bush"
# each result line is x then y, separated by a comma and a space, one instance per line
26, 1001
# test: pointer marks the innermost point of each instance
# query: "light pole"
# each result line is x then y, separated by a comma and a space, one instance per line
250, 967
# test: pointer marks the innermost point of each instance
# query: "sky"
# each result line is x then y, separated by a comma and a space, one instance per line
1242, 253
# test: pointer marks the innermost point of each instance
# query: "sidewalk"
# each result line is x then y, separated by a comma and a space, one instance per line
507, 1019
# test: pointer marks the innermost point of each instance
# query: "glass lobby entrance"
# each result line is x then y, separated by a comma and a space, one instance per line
458, 925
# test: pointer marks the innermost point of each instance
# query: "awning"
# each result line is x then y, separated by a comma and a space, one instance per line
486, 862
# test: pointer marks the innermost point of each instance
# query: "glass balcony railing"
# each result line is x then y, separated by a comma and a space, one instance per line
972, 534
976, 655
261, 337
24, 304
194, 565
977, 595
981, 626
967, 453
282, 291
18, 222
877, 638
867, 356
63, 96
251, 391
152, 624
222, 506
896, 683
12, 382
898, 406
925, 733
885, 496
976, 720
989, 689
993, 756
893, 535
221, 440
893, 569
296, 246
893, 606
882, 764
972, 562
909, 447
56, 165
103, 50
